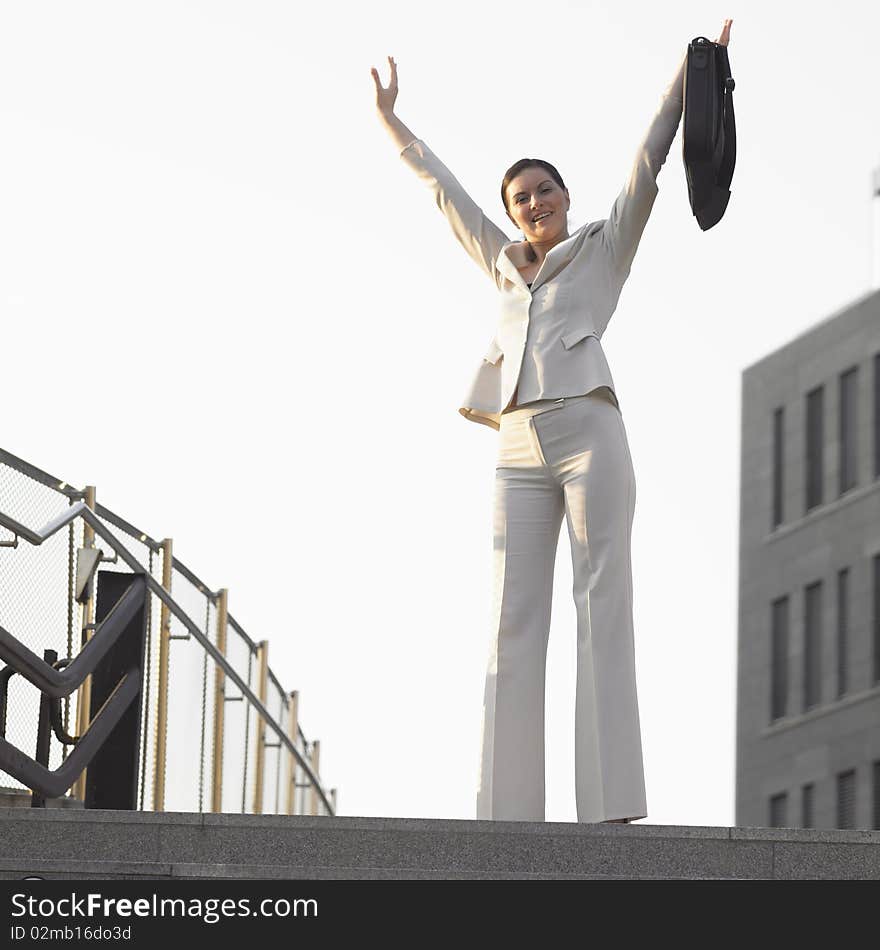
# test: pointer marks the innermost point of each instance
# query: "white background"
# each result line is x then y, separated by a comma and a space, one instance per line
213, 273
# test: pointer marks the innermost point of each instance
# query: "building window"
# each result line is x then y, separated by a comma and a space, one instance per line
877, 415
814, 445
807, 800
876, 618
812, 645
842, 630
846, 799
848, 462
779, 811
875, 824
779, 658
778, 475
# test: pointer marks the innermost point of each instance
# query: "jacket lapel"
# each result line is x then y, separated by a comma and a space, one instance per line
507, 268
557, 257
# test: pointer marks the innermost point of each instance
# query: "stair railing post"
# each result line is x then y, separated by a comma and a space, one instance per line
44, 731
162, 689
293, 732
263, 673
219, 705
84, 693
316, 761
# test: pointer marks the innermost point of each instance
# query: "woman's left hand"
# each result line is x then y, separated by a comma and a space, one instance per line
724, 38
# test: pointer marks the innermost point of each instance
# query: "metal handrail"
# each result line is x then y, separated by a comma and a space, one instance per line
241, 632
60, 683
53, 784
128, 528
56, 484
55, 684
5, 676
80, 510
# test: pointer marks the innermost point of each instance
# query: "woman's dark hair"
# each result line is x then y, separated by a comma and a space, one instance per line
521, 166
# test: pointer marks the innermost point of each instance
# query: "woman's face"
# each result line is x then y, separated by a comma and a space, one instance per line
538, 206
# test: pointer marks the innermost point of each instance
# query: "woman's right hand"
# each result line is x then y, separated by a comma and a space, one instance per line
386, 96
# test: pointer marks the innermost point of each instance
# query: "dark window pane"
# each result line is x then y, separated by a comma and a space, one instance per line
778, 475
876, 809
842, 625
807, 809
876, 618
779, 811
812, 644
877, 416
848, 462
779, 658
846, 799
814, 445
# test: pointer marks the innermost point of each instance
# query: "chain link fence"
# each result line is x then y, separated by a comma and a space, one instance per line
220, 752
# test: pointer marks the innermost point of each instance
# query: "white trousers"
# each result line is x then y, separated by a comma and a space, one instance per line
567, 455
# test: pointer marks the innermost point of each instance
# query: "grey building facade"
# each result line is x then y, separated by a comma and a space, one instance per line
808, 658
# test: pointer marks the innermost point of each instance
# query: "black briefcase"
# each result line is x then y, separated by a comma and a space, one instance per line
709, 130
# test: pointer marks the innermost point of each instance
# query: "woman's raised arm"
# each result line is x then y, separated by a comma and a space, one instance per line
629, 214
479, 236
386, 96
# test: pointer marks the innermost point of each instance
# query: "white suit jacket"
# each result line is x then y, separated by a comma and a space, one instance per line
547, 341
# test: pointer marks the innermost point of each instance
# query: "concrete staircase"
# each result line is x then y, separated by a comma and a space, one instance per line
58, 843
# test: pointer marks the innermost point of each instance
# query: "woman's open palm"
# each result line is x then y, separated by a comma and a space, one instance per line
386, 96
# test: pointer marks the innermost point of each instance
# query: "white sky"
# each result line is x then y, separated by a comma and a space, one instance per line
230, 306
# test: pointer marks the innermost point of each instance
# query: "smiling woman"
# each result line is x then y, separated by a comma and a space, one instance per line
545, 385
536, 201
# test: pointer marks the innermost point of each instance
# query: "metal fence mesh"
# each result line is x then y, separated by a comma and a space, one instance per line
36, 602
190, 714
238, 654
271, 770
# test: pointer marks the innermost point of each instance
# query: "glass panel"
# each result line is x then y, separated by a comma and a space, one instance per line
778, 474
779, 811
779, 659
814, 454
807, 801
812, 644
848, 462
846, 799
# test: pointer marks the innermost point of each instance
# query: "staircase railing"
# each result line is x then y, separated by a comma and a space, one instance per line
56, 683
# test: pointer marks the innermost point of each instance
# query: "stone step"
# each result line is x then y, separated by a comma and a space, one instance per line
89, 844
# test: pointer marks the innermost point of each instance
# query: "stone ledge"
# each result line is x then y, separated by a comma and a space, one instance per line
101, 844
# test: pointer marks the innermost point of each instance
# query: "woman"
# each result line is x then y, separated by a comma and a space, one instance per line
546, 387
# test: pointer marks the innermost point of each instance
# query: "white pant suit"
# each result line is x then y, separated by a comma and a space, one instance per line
568, 456
546, 387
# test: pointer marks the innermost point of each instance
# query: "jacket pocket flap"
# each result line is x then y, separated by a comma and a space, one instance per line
575, 336
494, 353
